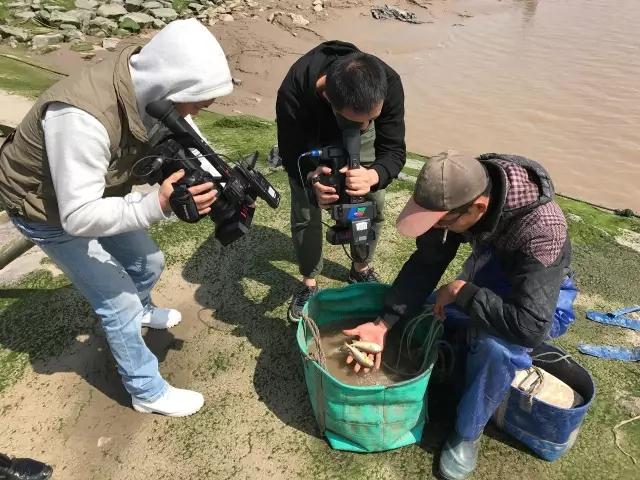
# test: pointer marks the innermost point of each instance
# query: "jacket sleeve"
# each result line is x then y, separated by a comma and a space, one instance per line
391, 151
420, 275
78, 153
291, 120
524, 317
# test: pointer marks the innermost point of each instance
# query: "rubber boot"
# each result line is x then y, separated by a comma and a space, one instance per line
459, 457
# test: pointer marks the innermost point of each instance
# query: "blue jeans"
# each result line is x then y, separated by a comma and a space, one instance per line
116, 275
491, 362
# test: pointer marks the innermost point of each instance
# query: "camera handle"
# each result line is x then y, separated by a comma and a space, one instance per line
183, 204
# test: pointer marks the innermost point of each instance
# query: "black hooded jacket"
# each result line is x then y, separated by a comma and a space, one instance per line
305, 119
525, 231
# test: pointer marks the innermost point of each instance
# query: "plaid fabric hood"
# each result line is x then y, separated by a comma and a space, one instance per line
524, 218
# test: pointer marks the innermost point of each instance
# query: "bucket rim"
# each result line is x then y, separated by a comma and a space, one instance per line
325, 372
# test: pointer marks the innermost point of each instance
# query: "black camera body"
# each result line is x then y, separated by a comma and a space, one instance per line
237, 188
353, 215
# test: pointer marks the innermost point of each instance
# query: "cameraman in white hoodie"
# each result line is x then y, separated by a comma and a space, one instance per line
65, 180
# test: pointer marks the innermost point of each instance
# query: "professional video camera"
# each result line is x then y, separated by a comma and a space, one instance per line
237, 187
353, 215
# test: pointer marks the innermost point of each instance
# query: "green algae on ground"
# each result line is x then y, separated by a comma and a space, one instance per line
248, 286
20, 78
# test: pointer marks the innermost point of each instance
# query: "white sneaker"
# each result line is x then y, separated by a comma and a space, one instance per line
161, 318
175, 402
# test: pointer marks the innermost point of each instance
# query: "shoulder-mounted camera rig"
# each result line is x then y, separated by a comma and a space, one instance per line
237, 188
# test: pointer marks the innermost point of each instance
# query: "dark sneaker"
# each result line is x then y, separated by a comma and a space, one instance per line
23, 469
298, 302
367, 276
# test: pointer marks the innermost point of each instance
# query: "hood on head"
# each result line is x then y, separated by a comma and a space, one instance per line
522, 184
183, 63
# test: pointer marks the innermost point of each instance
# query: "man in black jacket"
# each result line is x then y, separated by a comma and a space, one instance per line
337, 83
514, 291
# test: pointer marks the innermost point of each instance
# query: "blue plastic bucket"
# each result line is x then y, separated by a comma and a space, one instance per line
549, 431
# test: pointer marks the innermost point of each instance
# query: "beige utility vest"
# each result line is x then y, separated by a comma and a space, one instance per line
104, 91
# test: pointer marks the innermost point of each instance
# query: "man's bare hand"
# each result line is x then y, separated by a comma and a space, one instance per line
324, 195
204, 195
446, 294
375, 332
360, 180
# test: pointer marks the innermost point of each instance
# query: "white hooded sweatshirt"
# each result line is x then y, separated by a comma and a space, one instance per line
183, 63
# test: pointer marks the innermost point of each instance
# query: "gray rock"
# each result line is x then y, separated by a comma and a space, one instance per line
103, 24
317, 8
165, 14
130, 25
119, 2
100, 34
54, 8
13, 43
67, 26
74, 17
43, 15
166, 4
16, 5
20, 34
159, 24
133, 5
66, 17
26, 15
35, 4
74, 36
111, 10
84, 15
299, 20
274, 158
86, 4
110, 43
225, 17
196, 7
151, 5
40, 41
236, 81
141, 18
49, 49
121, 32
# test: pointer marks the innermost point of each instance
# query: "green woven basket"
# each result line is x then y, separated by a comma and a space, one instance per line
354, 418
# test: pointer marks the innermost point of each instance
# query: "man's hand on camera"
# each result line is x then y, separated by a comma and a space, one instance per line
375, 332
360, 180
203, 194
324, 195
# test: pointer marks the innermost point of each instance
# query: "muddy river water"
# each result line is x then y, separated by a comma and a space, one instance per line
555, 80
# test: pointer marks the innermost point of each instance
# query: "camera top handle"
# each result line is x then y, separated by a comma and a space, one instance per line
165, 111
258, 185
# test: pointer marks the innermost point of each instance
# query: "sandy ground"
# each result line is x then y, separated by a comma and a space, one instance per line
13, 108
78, 415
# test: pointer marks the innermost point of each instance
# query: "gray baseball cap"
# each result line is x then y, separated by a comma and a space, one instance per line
446, 182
